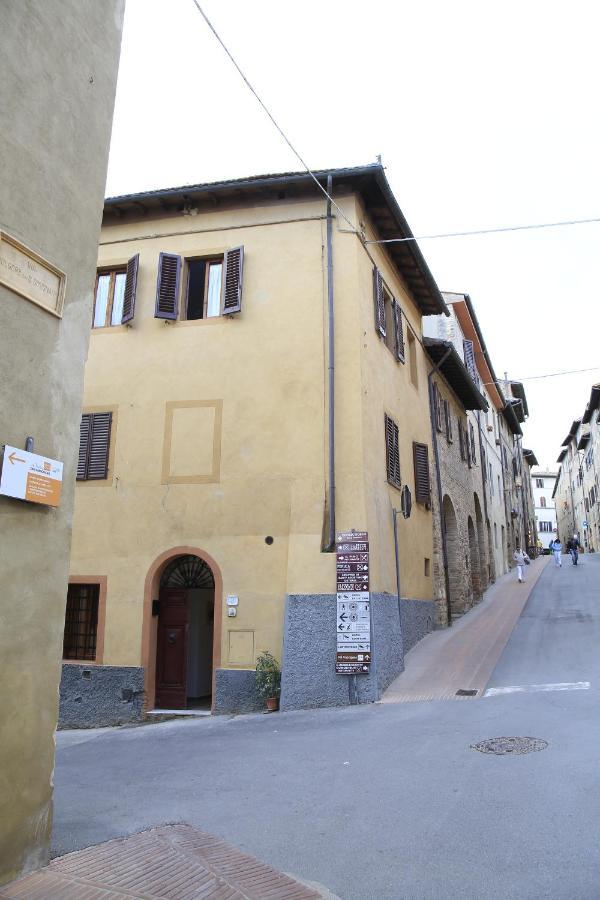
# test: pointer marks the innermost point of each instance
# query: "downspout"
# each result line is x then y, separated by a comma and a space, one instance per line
331, 371
436, 456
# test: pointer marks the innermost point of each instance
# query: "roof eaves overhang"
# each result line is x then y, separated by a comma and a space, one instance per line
583, 441
511, 418
556, 484
465, 313
561, 455
369, 182
529, 457
455, 372
519, 392
593, 404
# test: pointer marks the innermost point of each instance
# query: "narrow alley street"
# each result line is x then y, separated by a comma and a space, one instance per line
387, 800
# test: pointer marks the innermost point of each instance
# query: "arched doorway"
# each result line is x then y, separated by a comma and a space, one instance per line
184, 635
456, 602
474, 561
181, 632
481, 547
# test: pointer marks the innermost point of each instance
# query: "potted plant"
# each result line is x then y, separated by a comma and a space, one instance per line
268, 679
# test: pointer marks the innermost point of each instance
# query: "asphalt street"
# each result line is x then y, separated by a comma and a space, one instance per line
383, 801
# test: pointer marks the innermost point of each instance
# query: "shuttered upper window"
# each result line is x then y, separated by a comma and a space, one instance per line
422, 483
94, 446
392, 452
211, 286
388, 317
114, 297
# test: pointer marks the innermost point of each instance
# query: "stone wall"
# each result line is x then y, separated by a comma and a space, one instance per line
309, 678
95, 696
462, 517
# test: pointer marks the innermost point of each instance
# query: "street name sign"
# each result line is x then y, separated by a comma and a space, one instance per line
353, 621
31, 477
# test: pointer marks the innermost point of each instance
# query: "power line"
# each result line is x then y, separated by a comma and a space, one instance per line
547, 375
404, 240
279, 129
450, 234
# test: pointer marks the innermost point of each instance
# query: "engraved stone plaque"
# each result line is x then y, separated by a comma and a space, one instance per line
29, 275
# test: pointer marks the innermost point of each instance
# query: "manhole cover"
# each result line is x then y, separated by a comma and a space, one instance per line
502, 746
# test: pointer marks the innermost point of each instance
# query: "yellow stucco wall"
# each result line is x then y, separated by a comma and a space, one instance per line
264, 372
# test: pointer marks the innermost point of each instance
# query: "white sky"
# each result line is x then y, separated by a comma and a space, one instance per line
485, 115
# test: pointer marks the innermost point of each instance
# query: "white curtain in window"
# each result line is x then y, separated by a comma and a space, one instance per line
101, 301
117, 308
215, 274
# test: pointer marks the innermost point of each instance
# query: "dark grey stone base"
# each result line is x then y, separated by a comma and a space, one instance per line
418, 619
235, 691
309, 678
95, 696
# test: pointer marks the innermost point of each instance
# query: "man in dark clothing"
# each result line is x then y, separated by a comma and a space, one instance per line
573, 549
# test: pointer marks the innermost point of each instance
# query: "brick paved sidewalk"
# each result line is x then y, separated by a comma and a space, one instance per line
177, 862
463, 656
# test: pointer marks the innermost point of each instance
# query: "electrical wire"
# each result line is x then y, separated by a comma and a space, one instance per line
404, 240
450, 234
547, 375
271, 117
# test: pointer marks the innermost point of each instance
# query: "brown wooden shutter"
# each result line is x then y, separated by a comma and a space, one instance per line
130, 289
437, 407
421, 461
472, 433
232, 291
379, 302
167, 286
447, 422
398, 330
470, 358
392, 452
99, 446
84, 446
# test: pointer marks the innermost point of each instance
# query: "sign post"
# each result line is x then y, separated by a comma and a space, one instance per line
353, 622
31, 477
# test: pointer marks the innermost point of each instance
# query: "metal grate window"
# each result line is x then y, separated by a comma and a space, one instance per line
81, 621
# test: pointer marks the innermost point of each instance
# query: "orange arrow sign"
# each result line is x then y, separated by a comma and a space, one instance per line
13, 459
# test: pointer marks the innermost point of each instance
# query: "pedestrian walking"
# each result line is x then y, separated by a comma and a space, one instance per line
522, 560
573, 546
557, 552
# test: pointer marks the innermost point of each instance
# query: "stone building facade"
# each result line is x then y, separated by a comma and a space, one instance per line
461, 551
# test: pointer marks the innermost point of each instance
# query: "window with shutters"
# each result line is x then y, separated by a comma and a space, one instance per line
421, 464
448, 422
469, 355
463, 441
542, 501
437, 407
388, 317
94, 446
545, 526
412, 359
209, 286
114, 296
539, 482
392, 452
81, 622
472, 456
203, 288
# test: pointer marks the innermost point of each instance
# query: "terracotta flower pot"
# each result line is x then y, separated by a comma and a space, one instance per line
272, 704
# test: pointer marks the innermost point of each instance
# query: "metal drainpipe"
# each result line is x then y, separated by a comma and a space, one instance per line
331, 370
436, 456
483, 481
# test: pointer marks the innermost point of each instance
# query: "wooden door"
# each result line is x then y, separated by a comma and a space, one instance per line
171, 649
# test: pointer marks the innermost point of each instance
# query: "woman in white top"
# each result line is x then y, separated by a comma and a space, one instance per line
557, 552
519, 557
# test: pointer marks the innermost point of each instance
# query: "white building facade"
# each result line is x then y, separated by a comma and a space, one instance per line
543, 482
